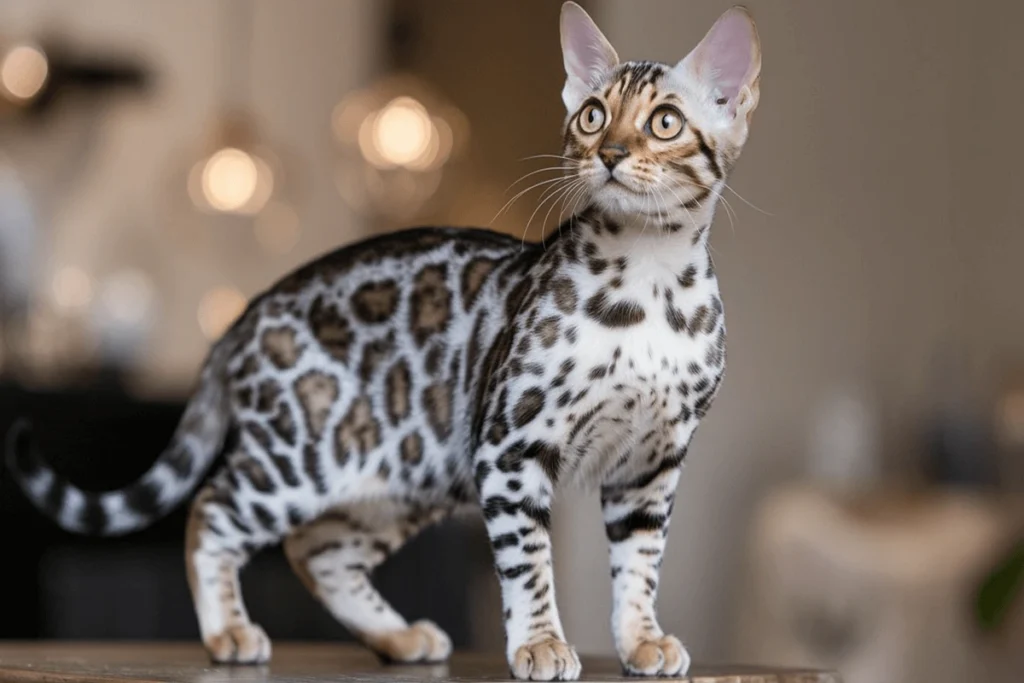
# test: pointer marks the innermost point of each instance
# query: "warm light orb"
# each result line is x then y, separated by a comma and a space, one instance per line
72, 288
230, 179
402, 132
218, 309
23, 72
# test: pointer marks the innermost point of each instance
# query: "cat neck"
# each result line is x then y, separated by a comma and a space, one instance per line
680, 234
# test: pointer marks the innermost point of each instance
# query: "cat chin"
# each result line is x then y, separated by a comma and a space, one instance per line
618, 201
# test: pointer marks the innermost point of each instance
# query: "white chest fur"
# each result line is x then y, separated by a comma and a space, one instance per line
647, 360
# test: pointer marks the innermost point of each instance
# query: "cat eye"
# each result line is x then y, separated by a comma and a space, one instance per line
666, 123
591, 118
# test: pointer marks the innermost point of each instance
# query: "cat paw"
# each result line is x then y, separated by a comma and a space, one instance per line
664, 656
546, 660
423, 642
244, 644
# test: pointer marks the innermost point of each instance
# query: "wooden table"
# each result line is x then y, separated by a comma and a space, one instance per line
53, 662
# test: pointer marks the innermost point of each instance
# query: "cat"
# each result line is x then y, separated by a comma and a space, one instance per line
376, 390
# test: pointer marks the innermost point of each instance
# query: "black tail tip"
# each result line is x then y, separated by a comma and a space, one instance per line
19, 448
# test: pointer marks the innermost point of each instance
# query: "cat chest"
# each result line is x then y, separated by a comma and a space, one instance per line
620, 394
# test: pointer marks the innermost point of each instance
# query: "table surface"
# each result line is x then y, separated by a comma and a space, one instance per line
57, 662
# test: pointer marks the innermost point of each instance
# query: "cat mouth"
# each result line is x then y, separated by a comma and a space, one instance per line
615, 182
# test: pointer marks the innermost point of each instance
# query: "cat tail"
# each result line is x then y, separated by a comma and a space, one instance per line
197, 441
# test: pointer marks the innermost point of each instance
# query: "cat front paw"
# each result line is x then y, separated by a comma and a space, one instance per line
664, 656
546, 660
423, 642
242, 644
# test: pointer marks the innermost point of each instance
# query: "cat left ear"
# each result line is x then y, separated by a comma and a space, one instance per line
728, 63
587, 54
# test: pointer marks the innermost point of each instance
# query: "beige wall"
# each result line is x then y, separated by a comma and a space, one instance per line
883, 238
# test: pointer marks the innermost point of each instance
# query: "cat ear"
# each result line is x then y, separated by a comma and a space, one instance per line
586, 52
728, 63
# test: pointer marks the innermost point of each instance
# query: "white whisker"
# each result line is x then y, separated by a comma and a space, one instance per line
521, 193
549, 156
742, 199
539, 170
552, 194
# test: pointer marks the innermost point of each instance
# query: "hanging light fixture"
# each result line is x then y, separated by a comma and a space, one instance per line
397, 135
237, 174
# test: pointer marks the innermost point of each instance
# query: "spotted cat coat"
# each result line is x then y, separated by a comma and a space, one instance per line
378, 389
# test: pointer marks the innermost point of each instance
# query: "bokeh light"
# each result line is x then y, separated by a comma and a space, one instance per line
23, 72
231, 180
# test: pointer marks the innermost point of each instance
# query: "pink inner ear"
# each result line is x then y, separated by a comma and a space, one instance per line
586, 52
724, 56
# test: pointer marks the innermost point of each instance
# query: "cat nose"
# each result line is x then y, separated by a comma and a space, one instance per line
612, 155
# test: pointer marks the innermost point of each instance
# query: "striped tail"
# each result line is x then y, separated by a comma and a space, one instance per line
193, 448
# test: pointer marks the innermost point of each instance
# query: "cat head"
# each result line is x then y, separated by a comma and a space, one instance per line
649, 138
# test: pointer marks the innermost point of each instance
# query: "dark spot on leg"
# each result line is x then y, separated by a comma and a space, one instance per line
530, 403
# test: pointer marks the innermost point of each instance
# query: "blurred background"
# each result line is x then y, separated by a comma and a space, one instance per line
854, 499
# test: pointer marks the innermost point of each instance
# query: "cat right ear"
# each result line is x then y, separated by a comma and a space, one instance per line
587, 55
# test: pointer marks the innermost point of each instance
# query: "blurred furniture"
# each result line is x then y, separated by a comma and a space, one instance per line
29, 663
882, 587
62, 586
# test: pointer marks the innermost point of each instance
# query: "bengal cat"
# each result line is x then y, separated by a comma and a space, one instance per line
377, 389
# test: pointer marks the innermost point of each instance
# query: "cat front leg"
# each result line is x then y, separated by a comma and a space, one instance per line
514, 479
636, 518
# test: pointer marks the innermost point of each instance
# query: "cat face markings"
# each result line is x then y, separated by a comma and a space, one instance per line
651, 138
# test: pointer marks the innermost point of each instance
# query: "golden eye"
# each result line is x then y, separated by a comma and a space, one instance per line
591, 118
666, 123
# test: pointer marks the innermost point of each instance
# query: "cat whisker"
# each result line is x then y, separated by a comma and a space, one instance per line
729, 210
552, 195
545, 195
539, 170
565, 195
668, 187
549, 156
744, 200
581, 194
509, 203
578, 196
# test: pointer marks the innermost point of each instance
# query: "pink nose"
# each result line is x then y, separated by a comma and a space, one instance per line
611, 155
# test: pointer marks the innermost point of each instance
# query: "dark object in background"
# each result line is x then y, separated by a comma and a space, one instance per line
93, 74
1002, 589
960, 449
60, 585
